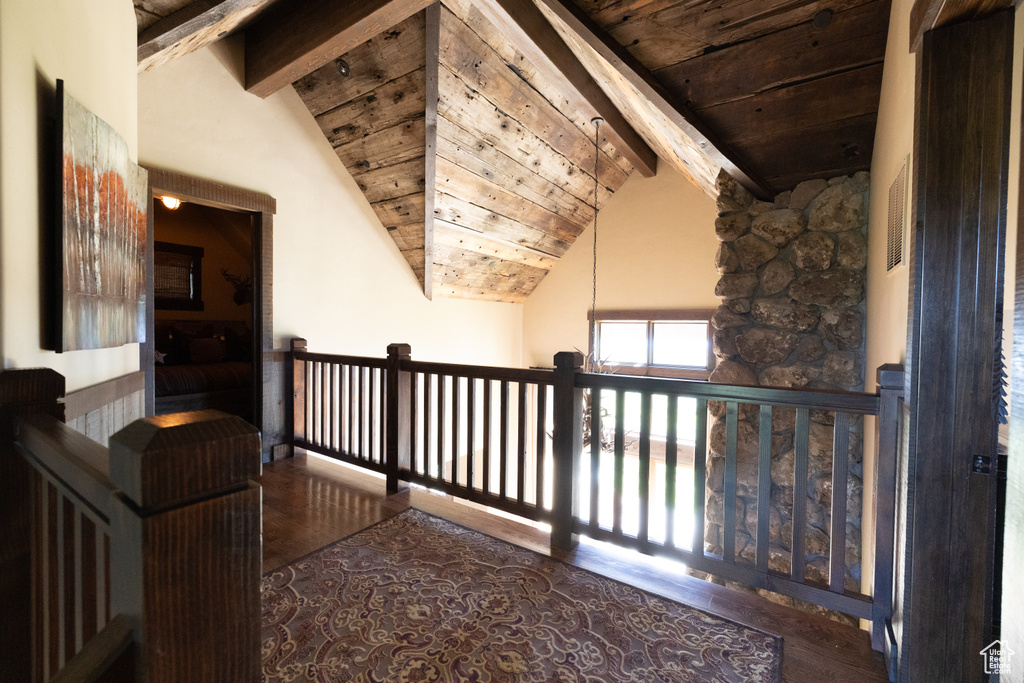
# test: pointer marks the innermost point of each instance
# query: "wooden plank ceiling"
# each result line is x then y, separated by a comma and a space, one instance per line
790, 89
467, 124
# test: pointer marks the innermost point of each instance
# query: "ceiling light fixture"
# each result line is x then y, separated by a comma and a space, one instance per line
171, 202
342, 67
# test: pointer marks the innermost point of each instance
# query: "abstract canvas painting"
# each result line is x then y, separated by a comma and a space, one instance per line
102, 236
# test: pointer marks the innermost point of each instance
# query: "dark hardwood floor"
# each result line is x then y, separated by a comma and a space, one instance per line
309, 502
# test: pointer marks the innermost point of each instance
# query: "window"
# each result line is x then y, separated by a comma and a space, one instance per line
665, 343
177, 277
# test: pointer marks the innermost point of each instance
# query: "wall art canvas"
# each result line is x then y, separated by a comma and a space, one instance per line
102, 236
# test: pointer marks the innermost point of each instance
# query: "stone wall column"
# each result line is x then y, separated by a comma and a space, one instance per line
792, 315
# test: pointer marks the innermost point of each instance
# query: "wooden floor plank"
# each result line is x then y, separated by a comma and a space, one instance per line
310, 502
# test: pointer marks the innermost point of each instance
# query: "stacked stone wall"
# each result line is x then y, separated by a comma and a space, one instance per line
792, 315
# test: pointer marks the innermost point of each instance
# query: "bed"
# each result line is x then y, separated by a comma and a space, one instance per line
203, 364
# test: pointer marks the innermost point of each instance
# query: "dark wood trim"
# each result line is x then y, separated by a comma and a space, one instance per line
480, 372
147, 348
400, 416
820, 399
961, 147
927, 15
268, 373
296, 38
648, 86
96, 661
527, 28
890, 380
362, 361
209, 192
22, 392
566, 445
83, 401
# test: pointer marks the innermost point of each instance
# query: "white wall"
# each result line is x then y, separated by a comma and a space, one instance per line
887, 293
91, 46
339, 279
656, 249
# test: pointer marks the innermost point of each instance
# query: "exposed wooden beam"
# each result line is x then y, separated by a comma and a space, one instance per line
295, 38
194, 26
931, 14
667, 125
537, 39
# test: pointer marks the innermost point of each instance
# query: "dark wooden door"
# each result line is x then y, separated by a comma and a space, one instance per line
962, 159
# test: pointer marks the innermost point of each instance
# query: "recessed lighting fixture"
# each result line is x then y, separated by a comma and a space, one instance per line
342, 66
171, 202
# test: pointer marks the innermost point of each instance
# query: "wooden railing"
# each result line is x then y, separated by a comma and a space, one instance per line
145, 558
480, 434
338, 406
513, 439
761, 404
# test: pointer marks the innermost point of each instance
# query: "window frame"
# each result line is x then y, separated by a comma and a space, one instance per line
195, 303
650, 317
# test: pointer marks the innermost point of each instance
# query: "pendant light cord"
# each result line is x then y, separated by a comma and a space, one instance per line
591, 361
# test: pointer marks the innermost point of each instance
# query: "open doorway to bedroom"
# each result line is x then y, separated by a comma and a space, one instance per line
203, 308
224, 329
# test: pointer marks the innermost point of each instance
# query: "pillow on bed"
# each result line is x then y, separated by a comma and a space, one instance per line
174, 343
207, 350
239, 345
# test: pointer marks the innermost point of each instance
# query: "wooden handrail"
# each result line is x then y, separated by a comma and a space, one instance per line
361, 361
106, 657
819, 399
80, 464
480, 372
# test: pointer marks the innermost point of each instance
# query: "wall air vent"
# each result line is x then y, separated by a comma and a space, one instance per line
896, 235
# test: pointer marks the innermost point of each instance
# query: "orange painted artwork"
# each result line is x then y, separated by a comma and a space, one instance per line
102, 235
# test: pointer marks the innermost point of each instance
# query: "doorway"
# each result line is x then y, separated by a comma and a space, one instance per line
218, 203
203, 301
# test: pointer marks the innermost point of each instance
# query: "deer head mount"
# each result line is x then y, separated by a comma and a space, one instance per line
243, 287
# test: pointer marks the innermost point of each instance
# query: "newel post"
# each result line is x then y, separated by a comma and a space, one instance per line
567, 443
890, 416
399, 416
298, 393
187, 565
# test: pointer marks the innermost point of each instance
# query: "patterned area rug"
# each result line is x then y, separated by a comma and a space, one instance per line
417, 599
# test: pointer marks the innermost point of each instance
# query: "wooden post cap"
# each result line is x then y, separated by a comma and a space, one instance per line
400, 349
890, 376
298, 344
568, 359
30, 386
169, 460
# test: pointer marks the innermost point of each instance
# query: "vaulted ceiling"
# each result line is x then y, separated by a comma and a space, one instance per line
467, 124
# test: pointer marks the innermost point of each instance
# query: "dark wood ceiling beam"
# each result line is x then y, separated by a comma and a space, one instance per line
194, 26
295, 38
630, 70
539, 42
931, 14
